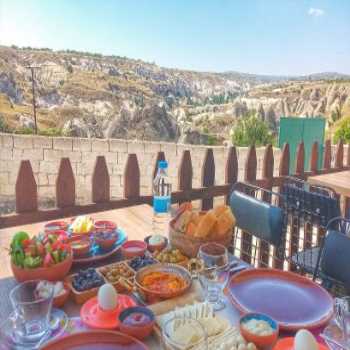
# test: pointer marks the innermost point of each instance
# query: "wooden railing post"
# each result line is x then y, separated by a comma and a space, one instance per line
327, 156
65, 185
249, 176
132, 178
267, 175
339, 155
278, 254
185, 173
160, 156
208, 177
100, 181
300, 160
314, 158
231, 169
26, 189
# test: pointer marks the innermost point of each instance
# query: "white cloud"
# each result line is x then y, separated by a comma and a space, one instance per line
315, 12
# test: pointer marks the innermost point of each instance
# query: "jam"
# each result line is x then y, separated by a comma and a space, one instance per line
137, 319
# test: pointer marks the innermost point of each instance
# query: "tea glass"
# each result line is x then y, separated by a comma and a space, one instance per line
342, 316
168, 341
31, 311
214, 275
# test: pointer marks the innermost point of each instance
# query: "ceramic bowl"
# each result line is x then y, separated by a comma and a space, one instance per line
156, 247
56, 272
55, 226
131, 249
106, 243
155, 296
259, 340
80, 246
60, 300
138, 331
105, 226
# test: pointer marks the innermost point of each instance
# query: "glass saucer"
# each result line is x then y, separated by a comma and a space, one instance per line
333, 335
9, 340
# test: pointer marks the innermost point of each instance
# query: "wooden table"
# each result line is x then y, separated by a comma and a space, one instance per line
135, 221
339, 182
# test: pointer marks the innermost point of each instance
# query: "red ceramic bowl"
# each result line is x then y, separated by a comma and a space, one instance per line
106, 244
55, 226
55, 272
60, 300
80, 246
105, 226
156, 247
259, 340
131, 249
139, 331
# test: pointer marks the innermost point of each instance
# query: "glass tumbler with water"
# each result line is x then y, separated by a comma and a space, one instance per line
214, 274
342, 316
31, 311
161, 199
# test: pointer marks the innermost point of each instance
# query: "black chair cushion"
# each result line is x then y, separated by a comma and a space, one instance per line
259, 218
336, 257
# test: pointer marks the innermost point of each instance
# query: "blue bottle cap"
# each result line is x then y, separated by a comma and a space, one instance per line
162, 164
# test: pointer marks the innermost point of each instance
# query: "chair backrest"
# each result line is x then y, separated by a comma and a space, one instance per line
336, 256
260, 219
320, 204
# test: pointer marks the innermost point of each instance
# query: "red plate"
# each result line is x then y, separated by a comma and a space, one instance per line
92, 340
94, 317
292, 300
288, 344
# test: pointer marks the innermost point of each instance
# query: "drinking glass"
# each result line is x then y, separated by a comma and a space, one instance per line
199, 341
342, 316
32, 312
214, 275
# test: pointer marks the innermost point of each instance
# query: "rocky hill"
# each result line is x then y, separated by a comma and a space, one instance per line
90, 95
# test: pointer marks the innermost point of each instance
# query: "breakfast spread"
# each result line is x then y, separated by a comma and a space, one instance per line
87, 279
43, 289
39, 251
258, 327
82, 224
163, 282
140, 262
173, 256
214, 223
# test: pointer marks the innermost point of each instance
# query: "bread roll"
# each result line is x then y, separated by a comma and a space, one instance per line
182, 221
206, 224
225, 222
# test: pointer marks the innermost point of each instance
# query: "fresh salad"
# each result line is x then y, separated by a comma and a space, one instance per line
43, 250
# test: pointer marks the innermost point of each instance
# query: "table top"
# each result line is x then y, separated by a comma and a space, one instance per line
135, 221
339, 182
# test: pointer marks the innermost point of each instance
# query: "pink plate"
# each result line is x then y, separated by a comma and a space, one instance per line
292, 300
97, 339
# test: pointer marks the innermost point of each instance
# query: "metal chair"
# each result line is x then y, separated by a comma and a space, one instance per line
313, 207
332, 266
261, 221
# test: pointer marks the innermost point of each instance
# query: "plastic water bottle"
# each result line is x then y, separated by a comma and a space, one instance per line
161, 199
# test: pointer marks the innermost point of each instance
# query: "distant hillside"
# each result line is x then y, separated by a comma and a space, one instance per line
90, 95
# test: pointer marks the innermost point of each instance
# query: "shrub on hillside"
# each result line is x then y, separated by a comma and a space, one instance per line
250, 131
342, 131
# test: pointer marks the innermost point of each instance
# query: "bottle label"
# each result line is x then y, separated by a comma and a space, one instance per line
161, 204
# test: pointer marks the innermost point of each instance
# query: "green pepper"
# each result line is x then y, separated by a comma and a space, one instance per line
56, 256
19, 237
31, 262
18, 256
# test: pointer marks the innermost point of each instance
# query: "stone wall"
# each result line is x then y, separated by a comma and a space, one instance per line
45, 154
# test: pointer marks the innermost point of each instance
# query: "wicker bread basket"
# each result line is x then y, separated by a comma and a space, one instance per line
189, 245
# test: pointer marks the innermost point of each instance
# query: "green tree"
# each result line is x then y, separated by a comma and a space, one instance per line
251, 130
342, 131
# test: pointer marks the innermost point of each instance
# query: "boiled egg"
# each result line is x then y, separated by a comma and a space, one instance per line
107, 297
304, 340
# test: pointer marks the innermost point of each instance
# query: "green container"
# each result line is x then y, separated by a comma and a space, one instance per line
297, 129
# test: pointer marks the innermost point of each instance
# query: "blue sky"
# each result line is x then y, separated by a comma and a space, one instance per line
256, 36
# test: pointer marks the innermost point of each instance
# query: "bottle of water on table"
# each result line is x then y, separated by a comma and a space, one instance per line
161, 200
